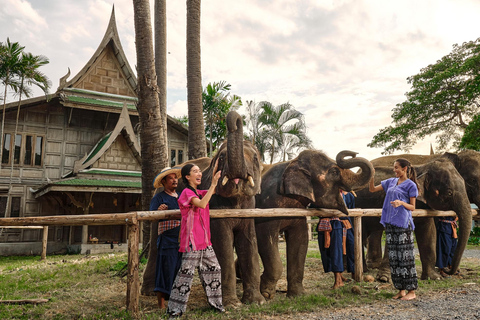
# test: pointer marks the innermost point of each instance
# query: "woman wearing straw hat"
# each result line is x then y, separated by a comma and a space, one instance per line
168, 257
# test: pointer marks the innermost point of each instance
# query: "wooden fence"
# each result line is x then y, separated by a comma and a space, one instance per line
132, 219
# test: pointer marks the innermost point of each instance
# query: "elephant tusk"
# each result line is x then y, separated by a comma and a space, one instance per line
250, 180
225, 180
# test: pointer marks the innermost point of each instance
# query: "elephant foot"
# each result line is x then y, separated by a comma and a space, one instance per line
373, 264
295, 291
383, 276
430, 274
231, 302
253, 297
268, 289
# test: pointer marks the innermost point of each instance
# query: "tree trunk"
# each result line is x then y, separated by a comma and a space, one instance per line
153, 131
196, 128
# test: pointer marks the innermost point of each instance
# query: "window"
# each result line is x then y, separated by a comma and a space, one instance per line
172, 157
176, 157
27, 149
180, 156
14, 211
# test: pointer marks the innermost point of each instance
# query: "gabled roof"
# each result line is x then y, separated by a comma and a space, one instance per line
123, 127
110, 41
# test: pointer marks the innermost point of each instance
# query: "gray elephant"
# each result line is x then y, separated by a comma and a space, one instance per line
312, 177
467, 163
239, 162
440, 187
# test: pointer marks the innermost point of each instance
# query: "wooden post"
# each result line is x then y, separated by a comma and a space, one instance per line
358, 249
133, 281
44, 243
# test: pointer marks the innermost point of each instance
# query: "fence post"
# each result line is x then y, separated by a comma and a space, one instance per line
44, 243
357, 234
133, 281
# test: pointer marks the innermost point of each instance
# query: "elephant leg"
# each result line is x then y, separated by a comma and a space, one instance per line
383, 273
222, 241
267, 237
374, 248
246, 247
426, 235
296, 237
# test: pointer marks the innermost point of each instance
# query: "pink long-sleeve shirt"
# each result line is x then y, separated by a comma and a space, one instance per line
195, 225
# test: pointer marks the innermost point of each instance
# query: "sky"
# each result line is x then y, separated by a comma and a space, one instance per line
342, 63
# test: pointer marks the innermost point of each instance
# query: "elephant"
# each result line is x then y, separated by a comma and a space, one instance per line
239, 162
311, 178
467, 163
440, 187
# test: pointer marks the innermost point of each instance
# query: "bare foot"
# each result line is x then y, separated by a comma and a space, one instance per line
337, 285
409, 296
399, 295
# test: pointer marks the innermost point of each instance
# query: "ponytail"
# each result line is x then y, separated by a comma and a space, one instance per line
411, 172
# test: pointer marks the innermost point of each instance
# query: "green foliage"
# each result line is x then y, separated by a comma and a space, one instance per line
279, 130
442, 100
474, 238
217, 102
471, 137
183, 120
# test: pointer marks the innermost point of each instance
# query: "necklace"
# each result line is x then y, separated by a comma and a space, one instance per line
173, 194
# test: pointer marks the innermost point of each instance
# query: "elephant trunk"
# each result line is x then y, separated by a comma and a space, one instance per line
464, 214
235, 160
356, 180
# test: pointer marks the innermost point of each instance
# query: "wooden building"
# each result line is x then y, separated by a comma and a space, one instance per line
77, 151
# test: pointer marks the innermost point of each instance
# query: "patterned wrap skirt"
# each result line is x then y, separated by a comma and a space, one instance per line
401, 256
210, 275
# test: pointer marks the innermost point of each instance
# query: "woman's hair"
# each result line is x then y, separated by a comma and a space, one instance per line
186, 172
411, 173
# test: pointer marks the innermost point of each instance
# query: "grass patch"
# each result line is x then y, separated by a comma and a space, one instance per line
85, 287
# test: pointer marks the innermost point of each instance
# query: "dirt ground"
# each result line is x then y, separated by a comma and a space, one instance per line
442, 304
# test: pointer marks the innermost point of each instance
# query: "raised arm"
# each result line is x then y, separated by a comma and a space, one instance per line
211, 191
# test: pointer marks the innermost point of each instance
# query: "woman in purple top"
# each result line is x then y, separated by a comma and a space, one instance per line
195, 244
401, 194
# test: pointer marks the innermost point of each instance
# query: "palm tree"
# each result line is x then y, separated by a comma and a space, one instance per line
10, 54
217, 102
29, 75
279, 122
196, 130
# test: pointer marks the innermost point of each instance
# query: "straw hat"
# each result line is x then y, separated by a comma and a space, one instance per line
157, 182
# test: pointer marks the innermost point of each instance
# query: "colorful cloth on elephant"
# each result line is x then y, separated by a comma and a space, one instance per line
340, 243
401, 257
172, 204
446, 241
399, 216
209, 272
195, 226
169, 260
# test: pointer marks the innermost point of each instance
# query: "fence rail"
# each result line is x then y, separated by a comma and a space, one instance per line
132, 219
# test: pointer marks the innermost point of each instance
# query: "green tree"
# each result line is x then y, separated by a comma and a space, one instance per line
277, 123
217, 102
10, 64
471, 137
443, 98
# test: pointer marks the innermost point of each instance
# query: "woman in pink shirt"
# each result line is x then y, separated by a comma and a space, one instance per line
195, 243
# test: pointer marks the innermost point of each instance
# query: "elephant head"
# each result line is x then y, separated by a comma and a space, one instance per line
239, 162
467, 162
315, 178
443, 188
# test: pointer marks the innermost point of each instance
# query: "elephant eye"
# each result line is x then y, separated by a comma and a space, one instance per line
449, 192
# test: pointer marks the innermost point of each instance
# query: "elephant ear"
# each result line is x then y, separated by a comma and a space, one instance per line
423, 185
296, 180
